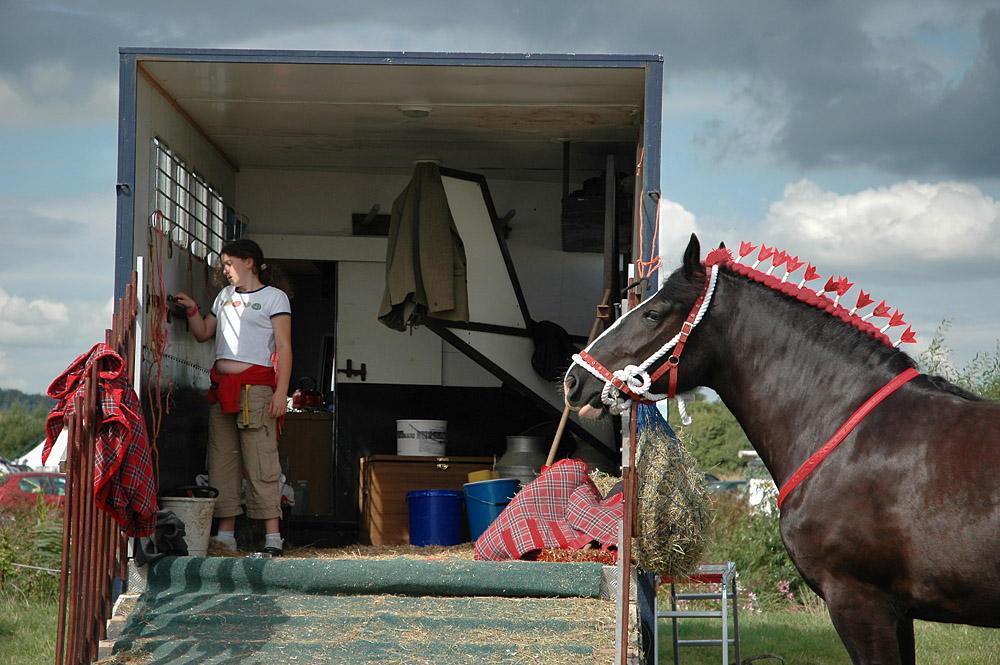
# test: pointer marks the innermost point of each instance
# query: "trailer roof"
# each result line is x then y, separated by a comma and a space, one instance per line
497, 114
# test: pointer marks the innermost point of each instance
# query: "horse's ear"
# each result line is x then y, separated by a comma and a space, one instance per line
692, 257
722, 245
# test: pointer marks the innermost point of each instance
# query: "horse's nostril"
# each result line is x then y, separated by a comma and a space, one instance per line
570, 383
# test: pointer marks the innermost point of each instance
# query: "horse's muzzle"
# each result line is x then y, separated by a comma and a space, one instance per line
573, 394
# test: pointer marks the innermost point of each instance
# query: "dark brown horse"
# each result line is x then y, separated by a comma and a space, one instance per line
901, 521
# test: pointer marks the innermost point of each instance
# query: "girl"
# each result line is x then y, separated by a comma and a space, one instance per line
250, 320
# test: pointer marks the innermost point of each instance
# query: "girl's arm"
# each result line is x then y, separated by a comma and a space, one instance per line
203, 328
283, 345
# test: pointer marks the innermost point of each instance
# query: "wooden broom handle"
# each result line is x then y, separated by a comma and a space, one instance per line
565, 414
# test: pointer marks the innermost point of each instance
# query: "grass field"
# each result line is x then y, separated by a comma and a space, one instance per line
808, 638
28, 632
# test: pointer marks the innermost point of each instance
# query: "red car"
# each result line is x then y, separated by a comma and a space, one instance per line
18, 489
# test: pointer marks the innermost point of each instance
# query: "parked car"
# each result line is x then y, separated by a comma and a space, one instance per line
18, 489
10, 466
714, 484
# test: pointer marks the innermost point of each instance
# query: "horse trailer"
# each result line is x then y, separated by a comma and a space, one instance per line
550, 164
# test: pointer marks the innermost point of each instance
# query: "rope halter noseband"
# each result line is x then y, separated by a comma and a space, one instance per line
633, 382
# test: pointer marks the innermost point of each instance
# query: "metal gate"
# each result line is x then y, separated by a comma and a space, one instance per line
94, 547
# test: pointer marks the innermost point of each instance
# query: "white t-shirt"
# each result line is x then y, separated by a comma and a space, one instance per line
244, 331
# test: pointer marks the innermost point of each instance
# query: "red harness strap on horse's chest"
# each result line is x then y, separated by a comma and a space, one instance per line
842, 433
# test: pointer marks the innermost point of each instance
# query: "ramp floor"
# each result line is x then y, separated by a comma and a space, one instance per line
275, 611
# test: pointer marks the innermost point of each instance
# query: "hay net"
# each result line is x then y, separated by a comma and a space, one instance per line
673, 510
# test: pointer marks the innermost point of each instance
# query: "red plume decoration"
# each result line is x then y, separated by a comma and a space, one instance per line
881, 310
778, 259
793, 264
764, 254
906, 338
863, 301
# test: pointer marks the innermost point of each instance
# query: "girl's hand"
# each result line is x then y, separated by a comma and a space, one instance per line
202, 327
278, 406
187, 302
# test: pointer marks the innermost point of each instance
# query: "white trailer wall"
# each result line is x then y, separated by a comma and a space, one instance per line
157, 117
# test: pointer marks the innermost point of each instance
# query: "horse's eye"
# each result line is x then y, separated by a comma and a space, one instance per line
652, 316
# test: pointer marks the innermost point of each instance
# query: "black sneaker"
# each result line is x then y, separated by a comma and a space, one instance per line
273, 551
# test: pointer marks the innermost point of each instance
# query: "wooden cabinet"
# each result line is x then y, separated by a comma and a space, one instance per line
385, 480
307, 439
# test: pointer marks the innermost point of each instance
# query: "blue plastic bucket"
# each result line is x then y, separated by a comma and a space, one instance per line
435, 517
485, 500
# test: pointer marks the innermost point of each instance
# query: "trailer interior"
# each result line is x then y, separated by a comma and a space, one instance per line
549, 163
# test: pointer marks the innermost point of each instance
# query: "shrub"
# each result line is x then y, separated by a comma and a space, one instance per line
749, 537
30, 535
981, 375
714, 437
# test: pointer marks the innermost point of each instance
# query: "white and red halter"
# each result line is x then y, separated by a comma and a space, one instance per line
634, 381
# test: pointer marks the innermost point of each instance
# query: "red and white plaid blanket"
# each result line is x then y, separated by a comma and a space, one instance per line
562, 508
124, 484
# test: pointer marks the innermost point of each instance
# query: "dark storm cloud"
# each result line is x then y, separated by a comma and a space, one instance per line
808, 72
881, 121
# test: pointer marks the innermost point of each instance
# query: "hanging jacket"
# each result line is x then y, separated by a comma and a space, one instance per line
124, 485
425, 268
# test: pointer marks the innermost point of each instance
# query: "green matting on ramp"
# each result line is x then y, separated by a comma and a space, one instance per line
214, 611
407, 576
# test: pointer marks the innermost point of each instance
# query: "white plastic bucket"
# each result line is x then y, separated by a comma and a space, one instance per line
421, 437
196, 513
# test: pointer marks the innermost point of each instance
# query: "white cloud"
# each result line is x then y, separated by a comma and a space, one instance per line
29, 321
904, 227
41, 338
675, 226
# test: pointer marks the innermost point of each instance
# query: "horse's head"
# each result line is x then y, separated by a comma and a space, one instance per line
629, 348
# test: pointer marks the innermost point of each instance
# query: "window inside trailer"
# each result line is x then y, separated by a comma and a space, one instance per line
188, 210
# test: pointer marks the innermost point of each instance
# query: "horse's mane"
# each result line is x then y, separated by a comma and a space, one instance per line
817, 299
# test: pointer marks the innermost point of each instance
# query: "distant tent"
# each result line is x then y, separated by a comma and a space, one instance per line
33, 457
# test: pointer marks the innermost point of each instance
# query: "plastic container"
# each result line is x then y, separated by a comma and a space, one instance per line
485, 500
435, 517
484, 474
427, 438
196, 513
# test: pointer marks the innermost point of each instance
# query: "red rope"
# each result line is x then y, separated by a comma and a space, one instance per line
645, 268
158, 339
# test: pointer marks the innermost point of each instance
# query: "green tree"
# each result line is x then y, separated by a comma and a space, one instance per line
20, 428
714, 437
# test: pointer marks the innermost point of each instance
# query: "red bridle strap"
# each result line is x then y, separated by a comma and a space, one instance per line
676, 345
842, 433
675, 357
608, 376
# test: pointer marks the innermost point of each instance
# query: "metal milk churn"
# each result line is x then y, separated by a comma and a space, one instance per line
523, 459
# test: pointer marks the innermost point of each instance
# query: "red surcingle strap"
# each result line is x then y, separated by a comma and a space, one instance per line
842, 433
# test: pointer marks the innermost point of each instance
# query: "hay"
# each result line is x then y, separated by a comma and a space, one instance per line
673, 510
604, 481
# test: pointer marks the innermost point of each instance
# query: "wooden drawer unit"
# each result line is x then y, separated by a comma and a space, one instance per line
385, 480
307, 439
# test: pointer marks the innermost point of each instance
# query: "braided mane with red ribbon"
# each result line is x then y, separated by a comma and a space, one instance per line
837, 287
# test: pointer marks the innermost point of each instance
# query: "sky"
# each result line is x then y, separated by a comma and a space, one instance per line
860, 135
